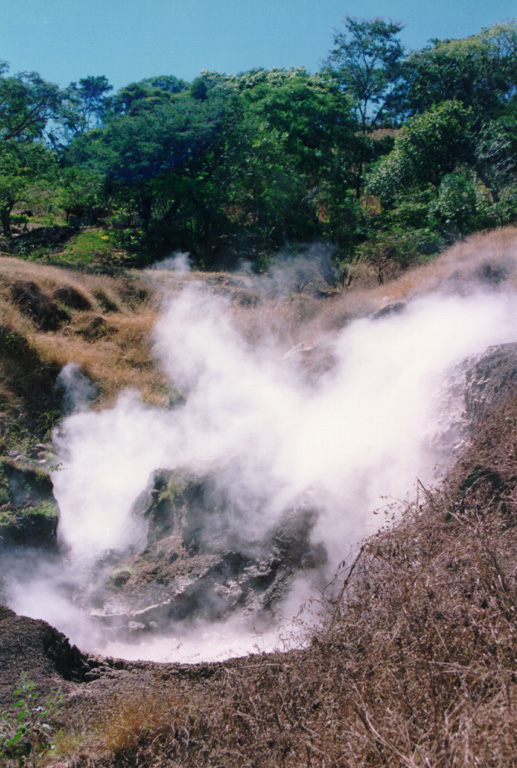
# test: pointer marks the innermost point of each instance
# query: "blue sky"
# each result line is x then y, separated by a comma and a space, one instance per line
127, 40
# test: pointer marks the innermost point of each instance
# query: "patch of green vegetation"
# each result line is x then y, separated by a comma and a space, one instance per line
16, 437
89, 246
23, 435
27, 728
46, 422
66, 743
43, 509
10, 515
4, 487
7, 516
32, 498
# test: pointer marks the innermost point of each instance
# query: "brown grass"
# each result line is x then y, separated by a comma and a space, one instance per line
481, 257
110, 336
103, 324
485, 260
153, 723
115, 354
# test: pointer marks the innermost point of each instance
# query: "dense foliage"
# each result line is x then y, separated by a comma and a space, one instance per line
386, 154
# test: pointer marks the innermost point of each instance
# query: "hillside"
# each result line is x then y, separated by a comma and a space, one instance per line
407, 656
52, 316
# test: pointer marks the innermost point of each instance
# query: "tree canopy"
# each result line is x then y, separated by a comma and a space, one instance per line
480, 71
381, 151
366, 62
27, 103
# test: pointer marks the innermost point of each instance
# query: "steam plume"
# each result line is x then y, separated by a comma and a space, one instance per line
386, 412
365, 430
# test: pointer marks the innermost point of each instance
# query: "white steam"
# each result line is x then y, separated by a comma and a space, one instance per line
178, 262
76, 389
366, 430
382, 415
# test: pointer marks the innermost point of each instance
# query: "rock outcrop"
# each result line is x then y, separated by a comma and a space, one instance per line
34, 647
199, 565
491, 379
28, 511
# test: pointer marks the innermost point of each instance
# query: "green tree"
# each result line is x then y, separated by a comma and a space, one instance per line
496, 156
167, 83
456, 203
79, 193
27, 104
86, 104
426, 148
480, 71
366, 62
157, 146
23, 166
295, 148
145, 94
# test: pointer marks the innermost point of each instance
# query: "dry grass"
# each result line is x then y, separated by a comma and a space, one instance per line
157, 728
486, 260
52, 316
114, 351
50, 278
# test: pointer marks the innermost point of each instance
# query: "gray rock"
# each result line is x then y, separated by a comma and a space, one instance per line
490, 379
395, 308
195, 565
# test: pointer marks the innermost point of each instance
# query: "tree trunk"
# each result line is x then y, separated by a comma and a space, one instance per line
5, 220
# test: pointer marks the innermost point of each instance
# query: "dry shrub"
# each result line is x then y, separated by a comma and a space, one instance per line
412, 665
154, 728
413, 662
425, 637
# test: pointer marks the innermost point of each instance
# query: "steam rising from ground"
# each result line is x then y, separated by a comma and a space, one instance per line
365, 428
178, 262
385, 412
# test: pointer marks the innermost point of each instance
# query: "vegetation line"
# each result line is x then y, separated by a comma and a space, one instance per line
387, 154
